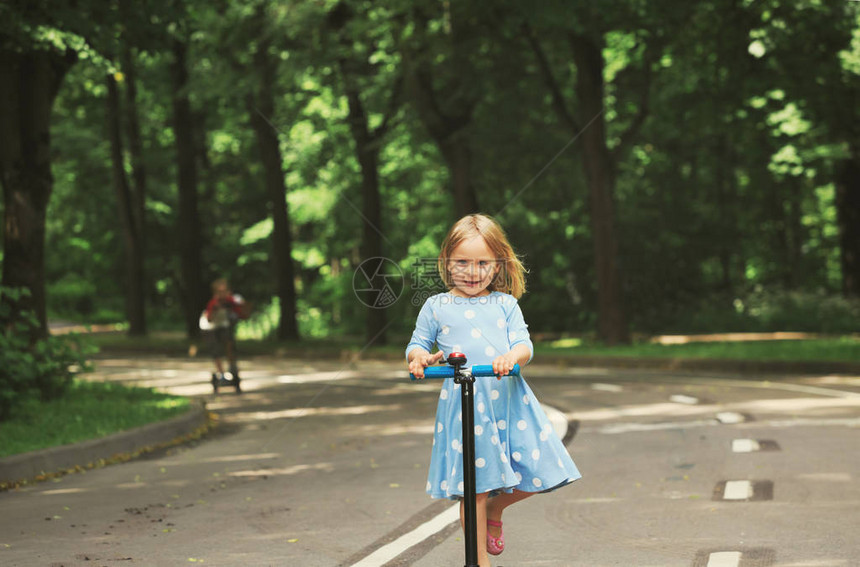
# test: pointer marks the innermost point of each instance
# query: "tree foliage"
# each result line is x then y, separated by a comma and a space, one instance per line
33, 370
731, 131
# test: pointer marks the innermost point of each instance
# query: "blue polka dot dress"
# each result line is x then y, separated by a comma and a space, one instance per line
516, 447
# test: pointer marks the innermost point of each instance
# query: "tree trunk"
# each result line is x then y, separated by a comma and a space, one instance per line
458, 157
367, 153
29, 83
599, 168
787, 204
726, 221
137, 292
188, 232
848, 219
125, 205
449, 126
449, 133
262, 113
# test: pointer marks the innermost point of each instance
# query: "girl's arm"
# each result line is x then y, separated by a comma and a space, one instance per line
414, 353
519, 354
419, 359
210, 307
522, 348
423, 338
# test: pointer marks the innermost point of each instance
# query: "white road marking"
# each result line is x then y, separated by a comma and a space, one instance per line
681, 399
724, 559
433, 526
738, 490
557, 419
606, 387
388, 552
729, 417
745, 446
846, 421
636, 427
309, 377
768, 385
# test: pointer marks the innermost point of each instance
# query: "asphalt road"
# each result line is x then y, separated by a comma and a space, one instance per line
324, 464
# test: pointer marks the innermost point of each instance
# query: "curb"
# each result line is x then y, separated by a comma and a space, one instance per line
87, 454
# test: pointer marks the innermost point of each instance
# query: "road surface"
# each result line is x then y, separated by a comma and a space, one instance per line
324, 464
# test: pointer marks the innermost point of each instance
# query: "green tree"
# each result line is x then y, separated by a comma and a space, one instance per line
584, 34
34, 59
366, 84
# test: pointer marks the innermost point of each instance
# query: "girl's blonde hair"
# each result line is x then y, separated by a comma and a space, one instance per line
510, 277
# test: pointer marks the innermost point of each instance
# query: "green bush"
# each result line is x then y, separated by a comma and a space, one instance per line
33, 369
72, 294
803, 311
761, 310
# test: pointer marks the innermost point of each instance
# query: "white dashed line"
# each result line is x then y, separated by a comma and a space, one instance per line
729, 417
681, 399
745, 446
606, 387
738, 490
724, 559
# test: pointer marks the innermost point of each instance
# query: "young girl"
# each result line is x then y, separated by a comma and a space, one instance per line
222, 313
517, 452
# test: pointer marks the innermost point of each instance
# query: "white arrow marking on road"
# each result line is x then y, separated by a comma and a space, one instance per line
606, 387
730, 417
738, 490
681, 399
724, 559
745, 446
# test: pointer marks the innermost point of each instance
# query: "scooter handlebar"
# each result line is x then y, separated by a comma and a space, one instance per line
443, 372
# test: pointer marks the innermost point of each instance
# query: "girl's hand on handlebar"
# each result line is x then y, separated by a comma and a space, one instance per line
422, 361
502, 365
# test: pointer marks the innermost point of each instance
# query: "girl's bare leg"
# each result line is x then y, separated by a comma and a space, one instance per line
231, 355
496, 505
481, 520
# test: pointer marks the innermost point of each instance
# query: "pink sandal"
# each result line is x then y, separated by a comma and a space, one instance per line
495, 545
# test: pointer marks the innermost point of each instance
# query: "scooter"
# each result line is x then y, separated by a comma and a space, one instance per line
465, 376
221, 379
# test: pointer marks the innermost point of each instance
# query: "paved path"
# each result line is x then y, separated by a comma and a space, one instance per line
324, 464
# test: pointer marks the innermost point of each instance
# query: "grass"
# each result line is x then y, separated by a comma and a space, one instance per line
841, 349
89, 410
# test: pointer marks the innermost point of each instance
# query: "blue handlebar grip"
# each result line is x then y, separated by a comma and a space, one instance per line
439, 372
487, 370
448, 371
436, 372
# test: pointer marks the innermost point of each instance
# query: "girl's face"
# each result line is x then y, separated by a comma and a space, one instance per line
472, 266
222, 291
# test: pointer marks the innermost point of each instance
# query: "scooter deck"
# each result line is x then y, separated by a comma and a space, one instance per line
221, 380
